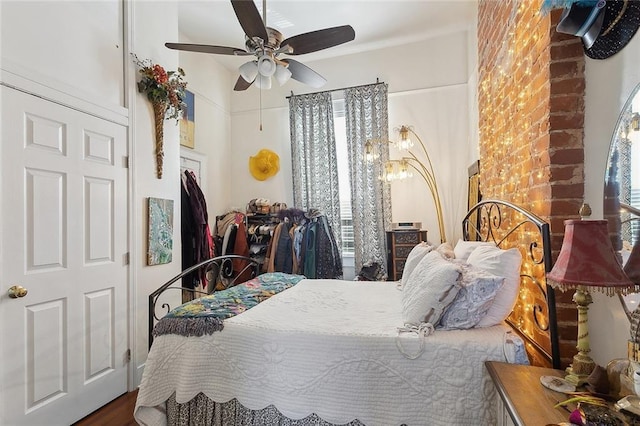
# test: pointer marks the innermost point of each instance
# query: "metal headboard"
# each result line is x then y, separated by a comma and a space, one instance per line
508, 225
219, 270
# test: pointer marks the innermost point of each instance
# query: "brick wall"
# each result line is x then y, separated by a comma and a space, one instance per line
531, 107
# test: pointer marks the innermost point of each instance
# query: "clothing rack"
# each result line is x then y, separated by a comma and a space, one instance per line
337, 90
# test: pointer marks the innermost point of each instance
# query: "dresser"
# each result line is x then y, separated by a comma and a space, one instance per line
523, 400
399, 245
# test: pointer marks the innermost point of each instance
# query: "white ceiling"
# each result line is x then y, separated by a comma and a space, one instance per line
377, 23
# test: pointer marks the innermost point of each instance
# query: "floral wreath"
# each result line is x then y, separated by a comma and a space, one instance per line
166, 91
162, 87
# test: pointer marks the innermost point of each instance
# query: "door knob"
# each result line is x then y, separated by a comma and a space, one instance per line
16, 291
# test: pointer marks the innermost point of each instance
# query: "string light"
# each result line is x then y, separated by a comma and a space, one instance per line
510, 133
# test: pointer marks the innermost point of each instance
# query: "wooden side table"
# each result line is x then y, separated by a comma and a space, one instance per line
524, 401
399, 245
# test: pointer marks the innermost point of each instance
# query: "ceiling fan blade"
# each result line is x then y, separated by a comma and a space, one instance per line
241, 84
304, 74
320, 39
205, 48
249, 18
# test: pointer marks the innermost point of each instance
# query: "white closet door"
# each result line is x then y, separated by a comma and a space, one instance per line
64, 239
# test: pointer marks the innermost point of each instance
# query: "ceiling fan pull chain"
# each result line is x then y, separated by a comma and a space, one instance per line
260, 108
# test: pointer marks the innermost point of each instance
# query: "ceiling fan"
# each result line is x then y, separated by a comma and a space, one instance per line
266, 44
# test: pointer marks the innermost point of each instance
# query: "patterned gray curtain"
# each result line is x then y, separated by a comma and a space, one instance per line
367, 118
313, 157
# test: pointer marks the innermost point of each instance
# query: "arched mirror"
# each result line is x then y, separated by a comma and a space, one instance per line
622, 194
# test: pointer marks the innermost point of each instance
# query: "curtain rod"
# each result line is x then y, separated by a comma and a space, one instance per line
336, 90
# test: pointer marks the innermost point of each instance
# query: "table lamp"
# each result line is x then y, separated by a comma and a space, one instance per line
586, 263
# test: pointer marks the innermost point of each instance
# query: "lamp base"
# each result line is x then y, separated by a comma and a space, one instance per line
580, 369
575, 379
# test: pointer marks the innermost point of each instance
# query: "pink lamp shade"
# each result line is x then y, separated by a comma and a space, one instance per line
587, 259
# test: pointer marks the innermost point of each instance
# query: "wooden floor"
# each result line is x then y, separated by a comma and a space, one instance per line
118, 412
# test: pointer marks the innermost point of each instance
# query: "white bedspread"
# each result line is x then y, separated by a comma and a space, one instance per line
329, 347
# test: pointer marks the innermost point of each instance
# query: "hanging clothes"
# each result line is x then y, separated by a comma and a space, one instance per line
241, 248
202, 239
187, 229
328, 259
309, 251
231, 233
304, 244
283, 257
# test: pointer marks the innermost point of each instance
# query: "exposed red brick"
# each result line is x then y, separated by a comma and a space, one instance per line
570, 85
569, 102
569, 50
568, 120
568, 190
539, 109
566, 69
570, 138
570, 174
567, 156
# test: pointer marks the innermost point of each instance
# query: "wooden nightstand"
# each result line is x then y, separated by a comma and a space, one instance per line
399, 245
524, 401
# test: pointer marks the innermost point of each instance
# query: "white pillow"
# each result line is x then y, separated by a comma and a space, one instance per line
446, 250
463, 249
430, 289
415, 256
478, 288
503, 263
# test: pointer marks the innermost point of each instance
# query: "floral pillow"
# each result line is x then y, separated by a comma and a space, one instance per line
478, 289
430, 289
502, 263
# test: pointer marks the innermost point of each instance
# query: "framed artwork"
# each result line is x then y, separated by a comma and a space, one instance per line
474, 196
187, 123
160, 231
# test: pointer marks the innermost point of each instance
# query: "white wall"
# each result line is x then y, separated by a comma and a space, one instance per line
440, 118
428, 90
609, 83
47, 43
248, 139
152, 22
211, 84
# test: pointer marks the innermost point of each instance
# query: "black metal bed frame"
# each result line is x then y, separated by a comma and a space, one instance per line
217, 269
486, 222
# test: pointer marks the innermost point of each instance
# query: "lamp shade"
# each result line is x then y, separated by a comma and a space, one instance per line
282, 74
405, 141
587, 259
263, 82
249, 71
266, 66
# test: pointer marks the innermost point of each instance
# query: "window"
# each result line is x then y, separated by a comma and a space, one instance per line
343, 178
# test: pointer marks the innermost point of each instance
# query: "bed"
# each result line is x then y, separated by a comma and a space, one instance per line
296, 351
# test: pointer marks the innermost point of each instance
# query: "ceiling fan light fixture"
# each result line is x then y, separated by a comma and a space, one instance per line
266, 66
249, 71
263, 82
282, 74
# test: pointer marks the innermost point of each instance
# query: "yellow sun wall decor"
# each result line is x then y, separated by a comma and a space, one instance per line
264, 164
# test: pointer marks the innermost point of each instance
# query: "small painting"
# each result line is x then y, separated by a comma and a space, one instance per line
187, 123
160, 231
474, 197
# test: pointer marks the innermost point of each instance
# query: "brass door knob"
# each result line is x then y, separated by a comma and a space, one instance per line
16, 291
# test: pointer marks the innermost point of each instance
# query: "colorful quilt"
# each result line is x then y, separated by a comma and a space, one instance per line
206, 315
